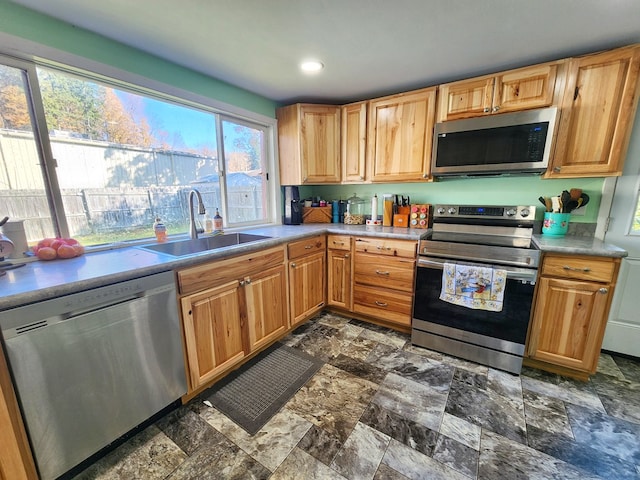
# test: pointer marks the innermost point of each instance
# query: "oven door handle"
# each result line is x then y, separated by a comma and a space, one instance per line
515, 273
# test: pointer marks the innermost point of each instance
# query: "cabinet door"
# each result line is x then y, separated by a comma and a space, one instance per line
306, 286
266, 306
213, 332
353, 142
598, 110
320, 143
339, 278
525, 88
464, 99
399, 136
568, 323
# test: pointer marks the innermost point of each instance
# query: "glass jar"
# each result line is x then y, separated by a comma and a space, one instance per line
355, 211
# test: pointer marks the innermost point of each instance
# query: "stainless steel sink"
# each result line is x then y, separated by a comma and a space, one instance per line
198, 245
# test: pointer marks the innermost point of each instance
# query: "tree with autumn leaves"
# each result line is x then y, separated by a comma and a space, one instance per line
73, 105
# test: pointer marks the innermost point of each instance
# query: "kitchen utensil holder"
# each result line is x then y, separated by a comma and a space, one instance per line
555, 224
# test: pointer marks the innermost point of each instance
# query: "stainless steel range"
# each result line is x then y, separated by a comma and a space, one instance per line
492, 240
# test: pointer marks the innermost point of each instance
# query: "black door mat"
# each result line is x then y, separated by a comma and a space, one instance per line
255, 392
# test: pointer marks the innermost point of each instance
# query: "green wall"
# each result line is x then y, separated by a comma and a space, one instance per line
523, 190
28, 24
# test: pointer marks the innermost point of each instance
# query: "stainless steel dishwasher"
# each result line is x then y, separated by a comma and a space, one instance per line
90, 366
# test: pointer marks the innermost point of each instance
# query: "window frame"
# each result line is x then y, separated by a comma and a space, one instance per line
119, 79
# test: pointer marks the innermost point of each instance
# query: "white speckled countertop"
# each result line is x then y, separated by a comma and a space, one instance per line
40, 280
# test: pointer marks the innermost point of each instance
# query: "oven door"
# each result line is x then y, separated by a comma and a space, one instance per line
487, 337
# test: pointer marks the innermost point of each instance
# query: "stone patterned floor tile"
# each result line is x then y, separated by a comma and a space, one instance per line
300, 464
456, 455
411, 400
629, 368
504, 459
417, 466
387, 473
189, 430
581, 455
546, 413
565, 393
460, 430
333, 400
271, 444
361, 453
608, 366
406, 431
359, 368
150, 454
320, 444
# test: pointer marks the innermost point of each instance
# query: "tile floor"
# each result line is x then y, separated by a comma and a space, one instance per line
382, 409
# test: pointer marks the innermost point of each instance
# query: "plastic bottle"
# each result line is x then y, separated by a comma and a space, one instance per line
208, 223
160, 230
217, 222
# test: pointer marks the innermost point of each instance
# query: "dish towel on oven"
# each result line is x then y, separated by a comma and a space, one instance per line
481, 288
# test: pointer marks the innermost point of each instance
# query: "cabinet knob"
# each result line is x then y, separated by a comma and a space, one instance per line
556, 169
603, 290
247, 281
241, 283
496, 108
293, 265
346, 255
486, 110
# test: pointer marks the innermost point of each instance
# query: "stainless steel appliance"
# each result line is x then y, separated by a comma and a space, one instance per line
292, 207
491, 236
494, 144
89, 367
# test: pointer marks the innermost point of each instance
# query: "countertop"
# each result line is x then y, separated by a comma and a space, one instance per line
574, 245
41, 280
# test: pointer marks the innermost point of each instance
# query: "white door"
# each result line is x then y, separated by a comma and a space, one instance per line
623, 328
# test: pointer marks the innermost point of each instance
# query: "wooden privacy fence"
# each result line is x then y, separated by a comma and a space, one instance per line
92, 211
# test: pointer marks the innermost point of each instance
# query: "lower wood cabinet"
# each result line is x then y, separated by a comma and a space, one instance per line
570, 313
231, 308
307, 279
384, 273
339, 268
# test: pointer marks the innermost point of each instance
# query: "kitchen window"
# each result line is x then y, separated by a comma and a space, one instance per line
98, 160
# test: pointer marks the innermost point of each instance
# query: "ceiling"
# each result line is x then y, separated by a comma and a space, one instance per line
369, 47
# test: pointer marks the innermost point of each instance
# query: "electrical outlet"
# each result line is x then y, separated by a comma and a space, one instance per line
580, 212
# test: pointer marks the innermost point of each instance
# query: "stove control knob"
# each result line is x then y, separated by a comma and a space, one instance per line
511, 212
441, 210
451, 211
525, 212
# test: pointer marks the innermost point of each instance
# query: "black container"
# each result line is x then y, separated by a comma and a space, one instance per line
292, 206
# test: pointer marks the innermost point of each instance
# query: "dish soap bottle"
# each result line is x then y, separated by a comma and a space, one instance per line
217, 222
208, 224
160, 230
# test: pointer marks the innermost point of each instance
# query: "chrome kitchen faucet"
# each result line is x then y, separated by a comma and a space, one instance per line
193, 230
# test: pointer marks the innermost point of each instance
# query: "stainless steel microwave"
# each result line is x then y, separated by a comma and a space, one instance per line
517, 142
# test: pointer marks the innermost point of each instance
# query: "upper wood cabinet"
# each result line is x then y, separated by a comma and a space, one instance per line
521, 89
353, 142
598, 109
309, 144
399, 136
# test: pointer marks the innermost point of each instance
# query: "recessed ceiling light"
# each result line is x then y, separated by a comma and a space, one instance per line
311, 66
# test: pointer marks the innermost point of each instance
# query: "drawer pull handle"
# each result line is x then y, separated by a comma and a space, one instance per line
380, 272
380, 247
308, 247
603, 290
338, 243
574, 269
381, 304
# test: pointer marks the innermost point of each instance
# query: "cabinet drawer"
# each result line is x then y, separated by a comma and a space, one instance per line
596, 269
395, 273
384, 304
339, 242
385, 246
219, 272
306, 247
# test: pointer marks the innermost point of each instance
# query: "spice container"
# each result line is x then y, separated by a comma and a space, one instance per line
355, 211
160, 230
